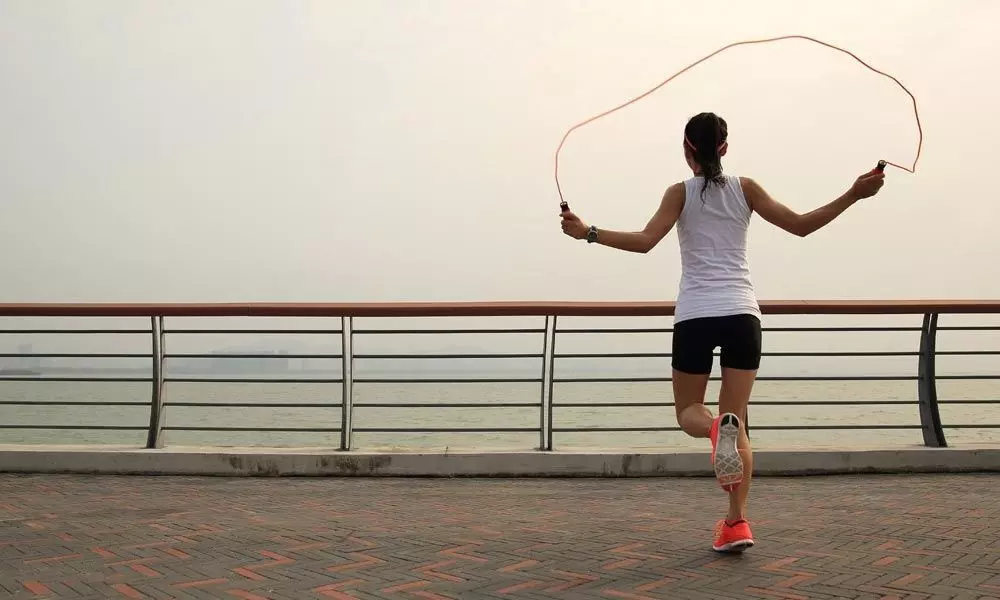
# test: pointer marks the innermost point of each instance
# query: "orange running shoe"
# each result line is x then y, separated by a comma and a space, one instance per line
732, 536
726, 459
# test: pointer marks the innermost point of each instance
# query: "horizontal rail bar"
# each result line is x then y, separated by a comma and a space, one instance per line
755, 428
764, 378
80, 379
455, 380
446, 430
253, 356
752, 403
252, 405
716, 355
971, 401
442, 356
247, 380
442, 331
616, 429
970, 328
856, 329
69, 403
263, 429
616, 354
253, 331
482, 309
616, 330
482, 356
76, 355
74, 331
80, 427
973, 426
475, 405
764, 329
446, 405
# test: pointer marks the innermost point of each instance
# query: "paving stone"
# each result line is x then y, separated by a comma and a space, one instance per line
922, 536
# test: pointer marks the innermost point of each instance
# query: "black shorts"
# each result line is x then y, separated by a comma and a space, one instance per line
695, 341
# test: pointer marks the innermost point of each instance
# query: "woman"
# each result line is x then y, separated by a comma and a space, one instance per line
716, 304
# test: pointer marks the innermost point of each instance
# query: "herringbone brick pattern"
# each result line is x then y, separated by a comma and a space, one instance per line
914, 537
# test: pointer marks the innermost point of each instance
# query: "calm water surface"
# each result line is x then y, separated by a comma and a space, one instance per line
486, 394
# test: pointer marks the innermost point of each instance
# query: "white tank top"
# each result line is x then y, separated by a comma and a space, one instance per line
715, 278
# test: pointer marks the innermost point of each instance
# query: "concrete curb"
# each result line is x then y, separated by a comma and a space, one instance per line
118, 460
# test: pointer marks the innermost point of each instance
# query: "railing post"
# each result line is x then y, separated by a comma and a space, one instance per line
153, 435
542, 387
930, 418
347, 378
550, 354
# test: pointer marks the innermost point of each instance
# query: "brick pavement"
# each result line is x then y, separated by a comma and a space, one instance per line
172, 537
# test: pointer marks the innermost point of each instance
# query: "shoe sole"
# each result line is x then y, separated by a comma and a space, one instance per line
736, 547
728, 462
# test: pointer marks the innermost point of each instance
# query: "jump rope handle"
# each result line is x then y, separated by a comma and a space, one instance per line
563, 206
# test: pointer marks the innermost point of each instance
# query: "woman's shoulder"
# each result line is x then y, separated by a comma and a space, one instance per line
744, 180
746, 184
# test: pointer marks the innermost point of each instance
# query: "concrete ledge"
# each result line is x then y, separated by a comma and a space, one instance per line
118, 460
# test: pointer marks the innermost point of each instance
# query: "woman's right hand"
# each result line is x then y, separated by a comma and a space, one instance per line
867, 185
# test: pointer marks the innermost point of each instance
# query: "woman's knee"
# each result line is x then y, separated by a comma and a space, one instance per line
679, 413
695, 420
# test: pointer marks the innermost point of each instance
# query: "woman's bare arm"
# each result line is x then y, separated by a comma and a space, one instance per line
802, 225
634, 241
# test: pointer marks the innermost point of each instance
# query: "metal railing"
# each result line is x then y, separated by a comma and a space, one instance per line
547, 332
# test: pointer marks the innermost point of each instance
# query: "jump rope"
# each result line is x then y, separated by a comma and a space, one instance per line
880, 167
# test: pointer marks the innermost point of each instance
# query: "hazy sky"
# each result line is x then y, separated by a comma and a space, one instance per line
374, 150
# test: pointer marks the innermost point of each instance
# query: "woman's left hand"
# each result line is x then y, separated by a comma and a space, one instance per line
573, 226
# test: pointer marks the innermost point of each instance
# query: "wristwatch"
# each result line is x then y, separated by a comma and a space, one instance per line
592, 234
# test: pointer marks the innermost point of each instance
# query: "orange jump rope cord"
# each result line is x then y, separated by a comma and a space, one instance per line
916, 114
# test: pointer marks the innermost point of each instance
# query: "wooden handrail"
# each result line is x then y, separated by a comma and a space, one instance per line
486, 309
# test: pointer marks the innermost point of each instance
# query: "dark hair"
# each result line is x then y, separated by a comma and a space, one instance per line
704, 134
